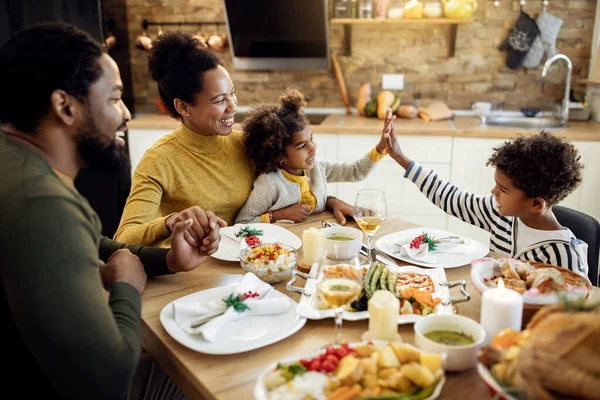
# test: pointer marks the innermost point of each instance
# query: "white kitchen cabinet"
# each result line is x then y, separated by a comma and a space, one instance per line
585, 197
459, 160
403, 198
470, 173
327, 149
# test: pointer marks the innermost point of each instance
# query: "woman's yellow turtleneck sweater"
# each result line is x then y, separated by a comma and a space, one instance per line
181, 170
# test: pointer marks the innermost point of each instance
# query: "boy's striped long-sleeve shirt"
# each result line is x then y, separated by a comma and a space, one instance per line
481, 211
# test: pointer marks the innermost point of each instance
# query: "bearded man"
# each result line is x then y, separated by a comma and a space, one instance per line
61, 110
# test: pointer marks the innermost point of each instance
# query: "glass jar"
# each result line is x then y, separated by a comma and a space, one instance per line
365, 9
342, 9
432, 9
381, 9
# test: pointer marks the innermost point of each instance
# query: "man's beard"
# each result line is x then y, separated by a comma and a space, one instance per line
110, 159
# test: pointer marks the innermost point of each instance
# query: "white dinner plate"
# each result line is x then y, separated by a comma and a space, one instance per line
472, 249
238, 336
229, 248
261, 392
307, 305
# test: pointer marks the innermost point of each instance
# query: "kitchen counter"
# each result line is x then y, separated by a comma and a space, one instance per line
459, 127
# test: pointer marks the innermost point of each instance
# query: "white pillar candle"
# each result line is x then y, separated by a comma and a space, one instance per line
500, 308
312, 246
384, 308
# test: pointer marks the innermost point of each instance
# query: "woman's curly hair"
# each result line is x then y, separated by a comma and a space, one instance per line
177, 62
543, 165
268, 129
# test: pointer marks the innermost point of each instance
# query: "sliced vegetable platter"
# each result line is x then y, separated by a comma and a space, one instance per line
381, 276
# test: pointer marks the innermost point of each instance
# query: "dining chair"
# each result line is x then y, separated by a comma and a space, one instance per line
586, 228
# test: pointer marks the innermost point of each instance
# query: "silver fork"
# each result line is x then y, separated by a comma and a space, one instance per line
208, 317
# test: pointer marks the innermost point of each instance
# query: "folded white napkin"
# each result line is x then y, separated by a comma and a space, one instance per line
188, 314
423, 254
419, 254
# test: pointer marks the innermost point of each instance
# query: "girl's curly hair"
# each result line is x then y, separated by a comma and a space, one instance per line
542, 165
268, 129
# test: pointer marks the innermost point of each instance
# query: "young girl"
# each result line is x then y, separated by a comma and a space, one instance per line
290, 183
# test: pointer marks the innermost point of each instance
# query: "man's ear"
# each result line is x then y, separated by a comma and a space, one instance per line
181, 107
538, 204
63, 106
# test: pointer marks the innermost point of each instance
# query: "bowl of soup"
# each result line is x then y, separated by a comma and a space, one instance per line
342, 242
457, 336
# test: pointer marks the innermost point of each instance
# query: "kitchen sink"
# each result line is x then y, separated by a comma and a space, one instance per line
525, 122
314, 119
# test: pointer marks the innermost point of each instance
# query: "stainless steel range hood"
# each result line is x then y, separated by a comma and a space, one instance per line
278, 34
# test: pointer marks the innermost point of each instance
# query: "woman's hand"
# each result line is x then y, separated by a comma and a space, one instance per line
296, 213
200, 227
391, 141
389, 118
183, 256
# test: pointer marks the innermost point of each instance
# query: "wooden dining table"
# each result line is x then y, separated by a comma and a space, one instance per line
205, 376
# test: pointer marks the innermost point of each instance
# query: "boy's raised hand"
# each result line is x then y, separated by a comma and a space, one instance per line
389, 118
391, 141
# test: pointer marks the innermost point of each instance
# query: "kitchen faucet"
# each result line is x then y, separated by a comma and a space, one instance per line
564, 112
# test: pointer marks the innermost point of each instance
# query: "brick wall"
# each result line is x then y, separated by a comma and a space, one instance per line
477, 72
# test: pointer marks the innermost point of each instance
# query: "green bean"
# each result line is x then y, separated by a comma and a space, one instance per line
383, 278
369, 275
375, 280
391, 282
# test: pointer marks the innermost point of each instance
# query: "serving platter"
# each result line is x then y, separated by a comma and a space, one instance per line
308, 304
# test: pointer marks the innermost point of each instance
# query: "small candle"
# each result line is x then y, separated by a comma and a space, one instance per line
313, 241
383, 317
500, 308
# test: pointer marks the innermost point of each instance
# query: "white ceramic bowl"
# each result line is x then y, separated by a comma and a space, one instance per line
344, 249
459, 357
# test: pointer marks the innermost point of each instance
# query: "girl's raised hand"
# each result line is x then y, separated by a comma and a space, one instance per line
391, 142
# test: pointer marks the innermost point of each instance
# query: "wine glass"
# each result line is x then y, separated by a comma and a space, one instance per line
339, 283
370, 210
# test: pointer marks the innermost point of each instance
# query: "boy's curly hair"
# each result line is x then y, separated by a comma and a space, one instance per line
542, 165
268, 129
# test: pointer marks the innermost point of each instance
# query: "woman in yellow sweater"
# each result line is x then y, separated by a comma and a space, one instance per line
200, 164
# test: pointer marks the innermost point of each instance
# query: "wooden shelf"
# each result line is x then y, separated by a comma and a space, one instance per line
347, 22
402, 21
588, 82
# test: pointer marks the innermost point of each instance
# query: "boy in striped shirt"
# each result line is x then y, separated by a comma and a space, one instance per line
532, 174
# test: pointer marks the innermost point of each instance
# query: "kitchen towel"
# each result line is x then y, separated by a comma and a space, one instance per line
519, 40
187, 314
544, 46
435, 111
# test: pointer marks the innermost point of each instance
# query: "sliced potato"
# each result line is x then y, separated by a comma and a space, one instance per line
369, 381
405, 353
418, 374
274, 379
369, 366
387, 358
399, 382
433, 361
386, 372
346, 368
365, 350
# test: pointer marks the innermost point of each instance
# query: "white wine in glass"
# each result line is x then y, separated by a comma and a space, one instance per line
339, 283
370, 211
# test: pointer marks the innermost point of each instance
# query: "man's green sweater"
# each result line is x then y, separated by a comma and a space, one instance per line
60, 334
